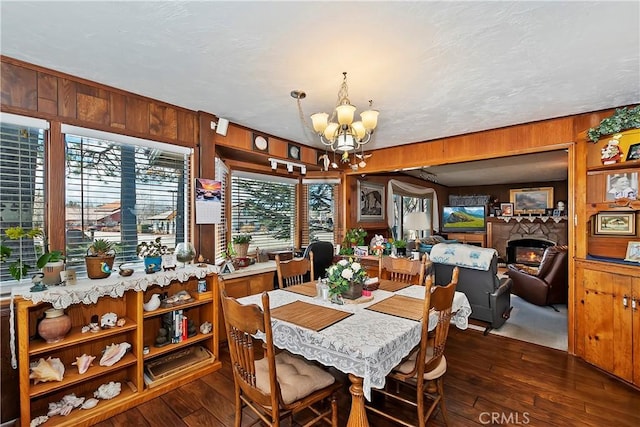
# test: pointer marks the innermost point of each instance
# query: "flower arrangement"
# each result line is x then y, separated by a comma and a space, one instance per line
153, 248
341, 274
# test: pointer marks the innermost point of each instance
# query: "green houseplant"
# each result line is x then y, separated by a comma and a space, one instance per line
152, 253
401, 246
48, 260
352, 238
99, 259
621, 120
241, 244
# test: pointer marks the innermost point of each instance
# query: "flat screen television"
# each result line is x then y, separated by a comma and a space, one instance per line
464, 218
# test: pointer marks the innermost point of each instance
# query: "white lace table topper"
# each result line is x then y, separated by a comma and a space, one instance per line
367, 344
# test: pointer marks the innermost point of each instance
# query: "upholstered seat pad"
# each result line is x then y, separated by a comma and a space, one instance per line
407, 366
297, 377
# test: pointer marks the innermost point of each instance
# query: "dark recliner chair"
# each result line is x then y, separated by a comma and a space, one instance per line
546, 285
489, 296
322, 257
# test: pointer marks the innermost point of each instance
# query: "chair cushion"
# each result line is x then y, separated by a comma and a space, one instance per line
407, 366
297, 377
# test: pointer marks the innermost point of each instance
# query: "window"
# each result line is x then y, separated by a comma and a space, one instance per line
265, 207
320, 200
403, 205
222, 174
22, 144
122, 189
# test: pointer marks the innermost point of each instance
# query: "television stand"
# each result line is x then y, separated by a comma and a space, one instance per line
478, 239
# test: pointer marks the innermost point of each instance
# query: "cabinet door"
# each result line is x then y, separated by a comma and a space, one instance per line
635, 313
608, 341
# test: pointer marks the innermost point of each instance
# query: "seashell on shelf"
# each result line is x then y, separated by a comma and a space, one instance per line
108, 320
51, 369
38, 420
83, 362
113, 353
90, 403
206, 327
107, 391
65, 406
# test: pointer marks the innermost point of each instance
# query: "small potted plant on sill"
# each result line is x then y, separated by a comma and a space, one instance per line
50, 262
401, 246
241, 244
152, 253
99, 259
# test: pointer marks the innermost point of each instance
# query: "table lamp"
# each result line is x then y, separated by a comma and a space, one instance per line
416, 221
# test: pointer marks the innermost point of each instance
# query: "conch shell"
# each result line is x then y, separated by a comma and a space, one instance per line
113, 353
83, 362
47, 370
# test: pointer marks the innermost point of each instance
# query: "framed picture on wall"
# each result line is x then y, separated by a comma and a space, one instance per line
615, 223
634, 152
371, 203
531, 200
622, 185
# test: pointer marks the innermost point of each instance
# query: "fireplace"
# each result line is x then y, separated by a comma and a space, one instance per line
527, 251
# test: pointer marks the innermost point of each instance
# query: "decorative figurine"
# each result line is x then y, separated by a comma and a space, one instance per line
38, 286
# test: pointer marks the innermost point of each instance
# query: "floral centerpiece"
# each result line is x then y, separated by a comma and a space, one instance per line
346, 278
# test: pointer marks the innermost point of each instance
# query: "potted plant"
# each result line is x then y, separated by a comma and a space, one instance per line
352, 238
401, 246
152, 253
99, 259
241, 244
50, 262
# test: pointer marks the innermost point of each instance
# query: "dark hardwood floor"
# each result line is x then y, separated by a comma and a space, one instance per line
490, 380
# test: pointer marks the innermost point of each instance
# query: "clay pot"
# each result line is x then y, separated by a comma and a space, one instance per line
51, 272
54, 326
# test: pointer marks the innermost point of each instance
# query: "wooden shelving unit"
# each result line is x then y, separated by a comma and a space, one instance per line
139, 330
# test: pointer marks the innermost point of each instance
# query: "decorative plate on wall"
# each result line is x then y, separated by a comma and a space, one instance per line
260, 143
294, 152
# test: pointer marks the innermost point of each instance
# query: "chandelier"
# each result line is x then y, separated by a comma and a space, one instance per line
345, 135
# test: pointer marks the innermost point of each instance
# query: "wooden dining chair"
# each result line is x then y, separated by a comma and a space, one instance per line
274, 386
294, 271
403, 269
420, 376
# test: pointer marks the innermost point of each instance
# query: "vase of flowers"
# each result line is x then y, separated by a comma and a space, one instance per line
346, 278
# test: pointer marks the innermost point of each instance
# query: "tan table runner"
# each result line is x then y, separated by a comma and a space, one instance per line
308, 315
392, 286
401, 306
309, 289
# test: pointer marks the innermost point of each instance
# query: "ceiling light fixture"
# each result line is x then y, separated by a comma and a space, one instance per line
346, 135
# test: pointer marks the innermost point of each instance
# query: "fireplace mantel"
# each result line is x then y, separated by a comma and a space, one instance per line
502, 229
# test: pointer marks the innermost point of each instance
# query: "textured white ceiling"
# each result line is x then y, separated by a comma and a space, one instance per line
433, 69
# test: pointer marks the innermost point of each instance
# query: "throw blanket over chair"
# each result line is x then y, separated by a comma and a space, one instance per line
548, 283
490, 297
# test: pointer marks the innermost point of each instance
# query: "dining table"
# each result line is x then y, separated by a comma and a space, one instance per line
364, 338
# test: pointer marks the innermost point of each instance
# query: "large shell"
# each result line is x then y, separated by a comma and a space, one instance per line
113, 353
83, 362
51, 369
107, 391
89, 403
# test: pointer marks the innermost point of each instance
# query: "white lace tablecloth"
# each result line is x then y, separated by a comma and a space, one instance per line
88, 291
367, 344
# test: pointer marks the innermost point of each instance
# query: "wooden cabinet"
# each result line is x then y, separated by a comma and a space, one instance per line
609, 318
607, 288
139, 330
479, 239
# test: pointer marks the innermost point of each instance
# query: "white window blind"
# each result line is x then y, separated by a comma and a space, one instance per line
22, 191
264, 207
321, 212
125, 190
222, 175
